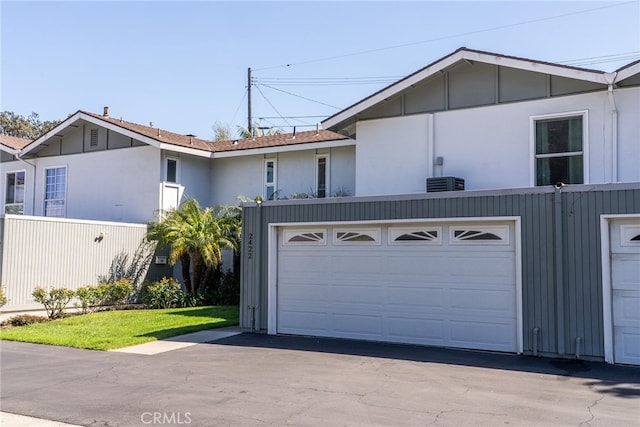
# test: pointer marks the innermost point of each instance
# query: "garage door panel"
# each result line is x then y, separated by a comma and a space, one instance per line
416, 331
625, 272
416, 296
496, 301
411, 293
626, 308
304, 264
627, 345
297, 292
370, 326
307, 322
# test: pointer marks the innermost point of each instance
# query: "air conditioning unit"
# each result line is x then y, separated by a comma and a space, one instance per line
444, 183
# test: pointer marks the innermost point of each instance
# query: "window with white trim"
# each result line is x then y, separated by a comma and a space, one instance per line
270, 166
171, 169
305, 237
559, 144
361, 236
55, 193
415, 235
14, 198
322, 175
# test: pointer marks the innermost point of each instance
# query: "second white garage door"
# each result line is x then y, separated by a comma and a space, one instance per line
447, 284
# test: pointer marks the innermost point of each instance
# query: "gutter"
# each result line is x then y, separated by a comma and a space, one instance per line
611, 77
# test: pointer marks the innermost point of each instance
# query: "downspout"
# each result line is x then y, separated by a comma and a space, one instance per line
611, 77
559, 267
18, 155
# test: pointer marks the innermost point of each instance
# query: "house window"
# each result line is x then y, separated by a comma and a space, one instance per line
322, 175
171, 170
55, 191
14, 199
269, 179
559, 146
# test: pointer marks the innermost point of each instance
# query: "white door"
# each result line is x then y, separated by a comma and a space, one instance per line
446, 284
625, 290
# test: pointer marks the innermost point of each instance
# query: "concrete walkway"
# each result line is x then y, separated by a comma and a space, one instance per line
181, 341
14, 420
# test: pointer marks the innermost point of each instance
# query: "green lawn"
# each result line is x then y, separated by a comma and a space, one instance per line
108, 330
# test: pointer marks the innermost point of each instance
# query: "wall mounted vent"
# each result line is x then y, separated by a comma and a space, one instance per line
444, 183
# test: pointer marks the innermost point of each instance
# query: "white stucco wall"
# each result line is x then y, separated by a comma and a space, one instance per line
491, 147
194, 174
392, 155
113, 185
628, 104
295, 173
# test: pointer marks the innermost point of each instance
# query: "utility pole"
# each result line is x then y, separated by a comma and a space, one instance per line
249, 125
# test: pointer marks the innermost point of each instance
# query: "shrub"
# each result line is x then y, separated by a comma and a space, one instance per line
227, 289
3, 298
117, 292
24, 319
54, 301
91, 298
184, 299
162, 294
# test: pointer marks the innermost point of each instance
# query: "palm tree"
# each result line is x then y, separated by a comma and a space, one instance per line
196, 237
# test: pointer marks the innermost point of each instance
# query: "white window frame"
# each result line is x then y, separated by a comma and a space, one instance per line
585, 143
290, 233
327, 173
6, 183
395, 232
166, 168
501, 231
63, 200
374, 233
266, 184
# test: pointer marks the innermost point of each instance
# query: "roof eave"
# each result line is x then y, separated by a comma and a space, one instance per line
464, 54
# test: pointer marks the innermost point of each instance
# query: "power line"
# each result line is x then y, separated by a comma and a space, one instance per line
484, 30
298, 96
272, 106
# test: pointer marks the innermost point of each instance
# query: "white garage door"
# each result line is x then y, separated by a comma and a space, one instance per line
450, 285
625, 290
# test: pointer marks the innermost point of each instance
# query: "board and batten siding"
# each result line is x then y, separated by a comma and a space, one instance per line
48, 252
560, 234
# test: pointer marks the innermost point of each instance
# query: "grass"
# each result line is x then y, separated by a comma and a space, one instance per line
109, 330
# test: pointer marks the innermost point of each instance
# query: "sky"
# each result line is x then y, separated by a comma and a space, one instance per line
183, 65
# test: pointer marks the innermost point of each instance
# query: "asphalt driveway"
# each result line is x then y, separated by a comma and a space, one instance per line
259, 380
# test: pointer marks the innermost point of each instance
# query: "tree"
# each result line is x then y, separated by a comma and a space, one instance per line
30, 127
196, 237
221, 132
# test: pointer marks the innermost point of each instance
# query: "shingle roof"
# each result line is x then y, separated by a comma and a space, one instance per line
167, 137
280, 140
160, 135
14, 142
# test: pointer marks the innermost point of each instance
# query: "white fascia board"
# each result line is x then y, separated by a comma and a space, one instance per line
185, 150
114, 128
64, 124
9, 150
628, 72
73, 220
537, 67
285, 148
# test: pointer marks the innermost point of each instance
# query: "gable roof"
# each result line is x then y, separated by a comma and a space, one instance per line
469, 55
628, 70
190, 144
13, 144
